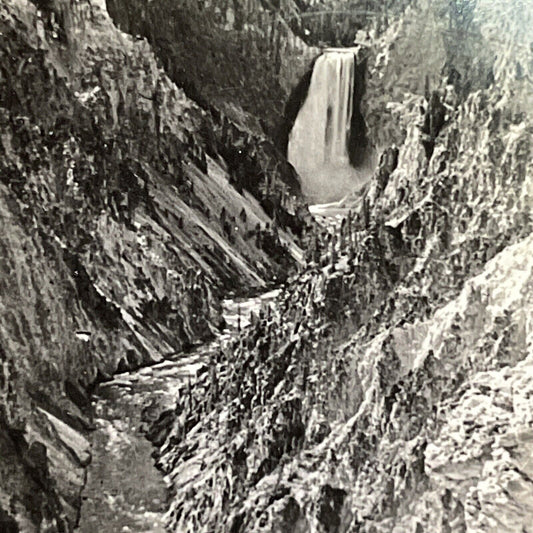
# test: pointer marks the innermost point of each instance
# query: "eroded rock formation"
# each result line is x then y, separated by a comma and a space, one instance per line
121, 225
388, 390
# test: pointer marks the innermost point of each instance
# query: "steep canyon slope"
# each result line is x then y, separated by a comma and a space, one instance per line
389, 390
123, 221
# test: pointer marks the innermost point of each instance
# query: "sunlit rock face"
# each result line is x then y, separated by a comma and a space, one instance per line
319, 139
434, 431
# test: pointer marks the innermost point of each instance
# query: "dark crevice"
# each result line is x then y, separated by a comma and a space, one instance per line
7, 523
358, 142
434, 120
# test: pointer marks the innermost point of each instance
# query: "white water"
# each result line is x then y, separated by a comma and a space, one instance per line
318, 142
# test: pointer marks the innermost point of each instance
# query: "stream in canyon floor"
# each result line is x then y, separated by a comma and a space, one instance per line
124, 490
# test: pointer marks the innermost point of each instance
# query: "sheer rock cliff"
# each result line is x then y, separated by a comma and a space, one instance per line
388, 391
122, 225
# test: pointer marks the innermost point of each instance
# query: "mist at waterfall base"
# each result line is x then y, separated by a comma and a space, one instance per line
318, 141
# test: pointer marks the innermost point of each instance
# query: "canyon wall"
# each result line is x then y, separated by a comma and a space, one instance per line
389, 390
123, 222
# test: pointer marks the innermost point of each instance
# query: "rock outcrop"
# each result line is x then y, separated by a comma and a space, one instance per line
389, 389
122, 225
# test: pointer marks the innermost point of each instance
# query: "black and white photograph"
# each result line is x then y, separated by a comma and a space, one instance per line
266, 266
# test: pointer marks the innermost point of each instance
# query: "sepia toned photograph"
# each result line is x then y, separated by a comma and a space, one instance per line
266, 266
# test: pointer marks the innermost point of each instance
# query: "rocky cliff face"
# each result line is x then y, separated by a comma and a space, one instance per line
238, 63
389, 391
390, 388
122, 223
240, 57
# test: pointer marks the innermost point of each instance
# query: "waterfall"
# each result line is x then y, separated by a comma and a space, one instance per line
318, 141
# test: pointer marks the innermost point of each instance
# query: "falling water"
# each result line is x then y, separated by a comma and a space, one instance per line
318, 142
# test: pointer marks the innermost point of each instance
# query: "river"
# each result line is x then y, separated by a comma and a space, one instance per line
124, 491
